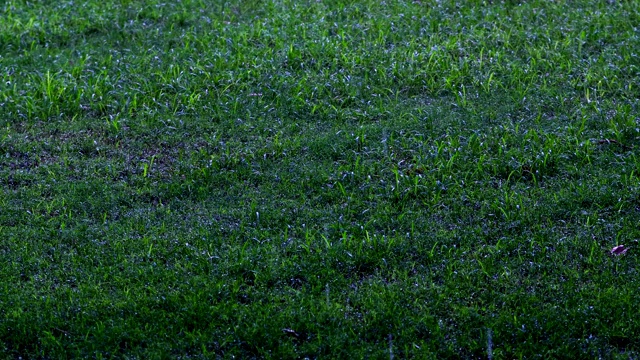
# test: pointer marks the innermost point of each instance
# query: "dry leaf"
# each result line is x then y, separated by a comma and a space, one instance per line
619, 250
291, 332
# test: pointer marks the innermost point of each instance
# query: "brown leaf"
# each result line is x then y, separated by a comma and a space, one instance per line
619, 250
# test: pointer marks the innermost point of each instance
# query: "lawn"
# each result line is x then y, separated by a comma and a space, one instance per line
282, 179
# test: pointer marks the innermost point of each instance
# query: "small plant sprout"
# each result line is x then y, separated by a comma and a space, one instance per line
146, 168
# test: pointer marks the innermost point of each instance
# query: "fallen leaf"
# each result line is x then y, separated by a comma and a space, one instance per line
619, 250
291, 332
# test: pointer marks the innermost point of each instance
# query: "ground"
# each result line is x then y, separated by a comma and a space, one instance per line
319, 179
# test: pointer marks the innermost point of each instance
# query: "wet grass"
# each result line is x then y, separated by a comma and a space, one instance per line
319, 179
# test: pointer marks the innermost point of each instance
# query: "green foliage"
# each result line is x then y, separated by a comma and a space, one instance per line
319, 179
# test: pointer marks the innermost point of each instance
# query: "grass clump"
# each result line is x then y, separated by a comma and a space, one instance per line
333, 179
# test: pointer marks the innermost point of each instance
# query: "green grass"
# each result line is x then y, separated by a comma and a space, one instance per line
288, 179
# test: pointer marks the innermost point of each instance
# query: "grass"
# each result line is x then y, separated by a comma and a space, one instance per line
319, 179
